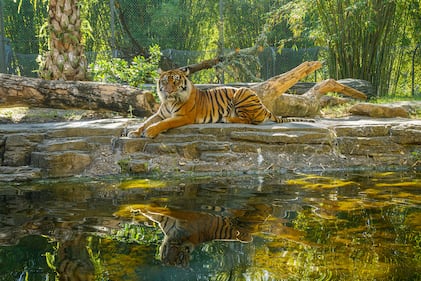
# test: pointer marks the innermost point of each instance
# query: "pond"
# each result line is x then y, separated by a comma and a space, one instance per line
290, 226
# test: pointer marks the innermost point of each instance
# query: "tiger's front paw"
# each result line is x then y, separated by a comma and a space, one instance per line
135, 134
151, 132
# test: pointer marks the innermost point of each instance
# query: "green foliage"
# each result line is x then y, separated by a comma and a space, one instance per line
366, 40
96, 28
134, 233
370, 40
416, 156
292, 24
140, 71
124, 165
22, 21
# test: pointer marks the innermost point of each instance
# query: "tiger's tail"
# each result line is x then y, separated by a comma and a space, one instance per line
280, 119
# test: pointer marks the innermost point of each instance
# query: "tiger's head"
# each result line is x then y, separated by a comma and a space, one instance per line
175, 252
174, 85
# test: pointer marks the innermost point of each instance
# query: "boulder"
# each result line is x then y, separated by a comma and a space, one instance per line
61, 164
18, 148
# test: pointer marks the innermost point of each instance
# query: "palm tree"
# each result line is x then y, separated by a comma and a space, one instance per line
65, 59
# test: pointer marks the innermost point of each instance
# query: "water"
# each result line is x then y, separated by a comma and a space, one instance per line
283, 227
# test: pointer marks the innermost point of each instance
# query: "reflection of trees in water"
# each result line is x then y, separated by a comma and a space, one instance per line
352, 239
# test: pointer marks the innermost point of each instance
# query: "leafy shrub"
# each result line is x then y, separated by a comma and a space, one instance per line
140, 71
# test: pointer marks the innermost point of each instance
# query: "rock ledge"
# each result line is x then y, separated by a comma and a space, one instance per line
97, 148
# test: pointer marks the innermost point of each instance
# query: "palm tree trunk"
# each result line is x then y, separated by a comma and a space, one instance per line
65, 60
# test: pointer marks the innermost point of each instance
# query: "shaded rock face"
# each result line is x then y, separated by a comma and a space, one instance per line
58, 149
18, 148
96, 148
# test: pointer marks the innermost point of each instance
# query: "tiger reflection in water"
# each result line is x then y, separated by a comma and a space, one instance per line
184, 230
73, 262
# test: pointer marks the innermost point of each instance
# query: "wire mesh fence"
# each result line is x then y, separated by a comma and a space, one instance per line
123, 20
271, 61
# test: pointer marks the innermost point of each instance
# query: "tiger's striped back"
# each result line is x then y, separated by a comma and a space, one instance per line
232, 105
182, 234
213, 105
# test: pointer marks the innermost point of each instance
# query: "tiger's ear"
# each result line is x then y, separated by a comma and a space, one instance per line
159, 71
186, 70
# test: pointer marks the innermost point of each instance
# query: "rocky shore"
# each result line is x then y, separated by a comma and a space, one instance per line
99, 147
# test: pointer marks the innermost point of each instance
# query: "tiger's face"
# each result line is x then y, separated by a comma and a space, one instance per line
175, 252
174, 86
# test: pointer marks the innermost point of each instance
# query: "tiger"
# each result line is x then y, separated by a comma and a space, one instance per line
73, 261
182, 103
184, 229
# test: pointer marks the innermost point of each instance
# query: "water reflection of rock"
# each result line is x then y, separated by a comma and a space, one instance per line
40, 212
68, 224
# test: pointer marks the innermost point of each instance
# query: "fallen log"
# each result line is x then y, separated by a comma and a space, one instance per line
309, 104
300, 87
358, 84
34, 92
272, 88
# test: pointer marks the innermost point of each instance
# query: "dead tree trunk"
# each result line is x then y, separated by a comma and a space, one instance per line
310, 103
206, 64
272, 92
272, 88
34, 92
